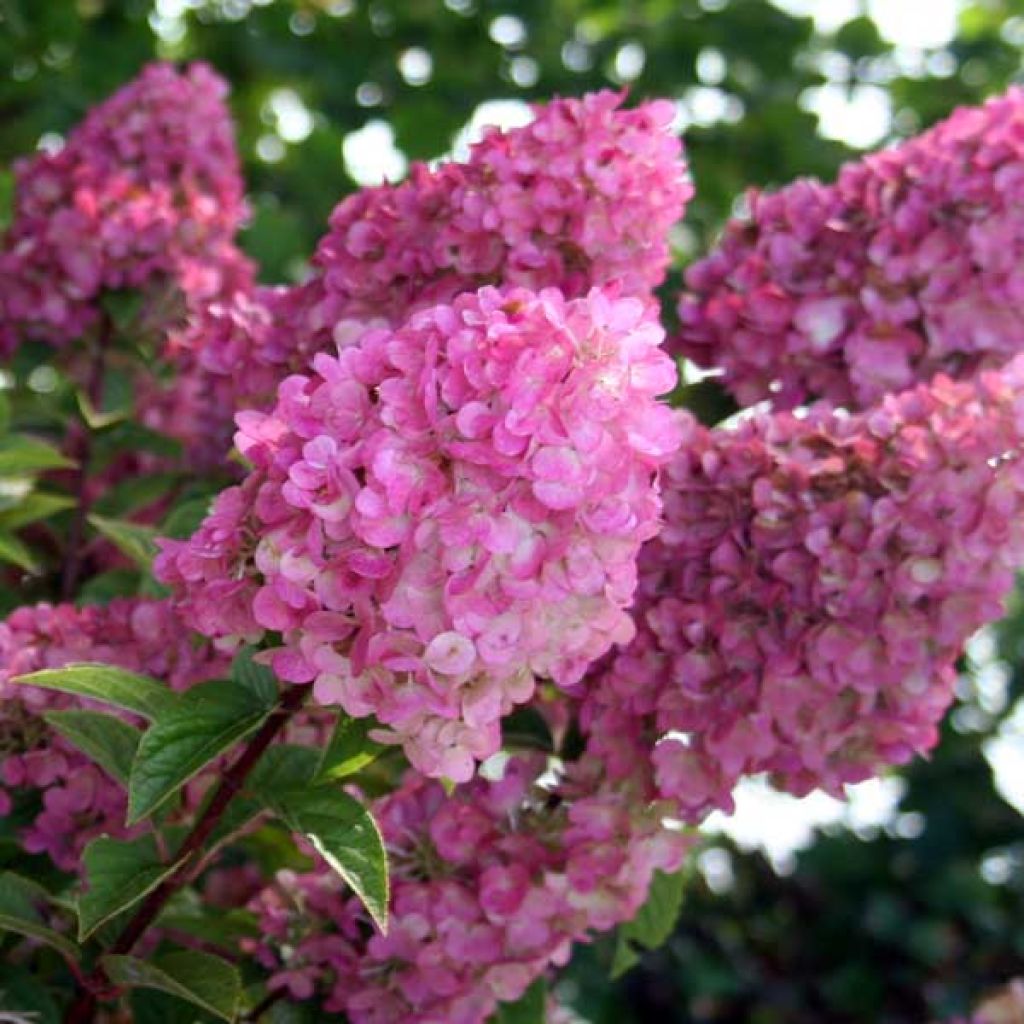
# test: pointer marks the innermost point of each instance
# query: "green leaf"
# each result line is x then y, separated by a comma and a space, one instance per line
119, 873
35, 506
16, 552
350, 749
6, 192
107, 684
110, 742
20, 454
282, 767
208, 720
530, 1008
344, 833
625, 957
20, 992
135, 492
205, 980
19, 902
184, 519
526, 729
259, 680
134, 437
654, 921
135, 541
5, 412
106, 586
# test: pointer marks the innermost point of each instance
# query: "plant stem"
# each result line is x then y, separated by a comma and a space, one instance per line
83, 455
263, 1005
83, 1010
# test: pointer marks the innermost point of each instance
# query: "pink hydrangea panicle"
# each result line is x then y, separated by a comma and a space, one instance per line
490, 888
584, 195
910, 264
147, 189
443, 512
802, 611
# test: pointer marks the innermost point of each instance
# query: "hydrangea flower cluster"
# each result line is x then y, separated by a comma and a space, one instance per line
147, 190
582, 196
802, 611
78, 801
490, 887
910, 264
443, 512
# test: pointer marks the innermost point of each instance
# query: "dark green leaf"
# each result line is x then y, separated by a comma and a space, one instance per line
110, 742
344, 833
136, 541
654, 921
184, 519
530, 1008
19, 902
205, 980
118, 872
32, 508
109, 585
208, 721
350, 749
20, 992
20, 454
108, 685
15, 551
256, 678
135, 492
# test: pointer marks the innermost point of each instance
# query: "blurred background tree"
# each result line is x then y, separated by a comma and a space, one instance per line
908, 920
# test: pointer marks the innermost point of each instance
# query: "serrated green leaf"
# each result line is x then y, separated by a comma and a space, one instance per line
19, 900
15, 551
657, 917
654, 921
184, 519
107, 684
344, 833
110, 742
5, 412
119, 873
625, 957
350, 749
33, 507
136, 541
21, 454
21, 992
530, 1008
132, 436
107, 586
205, 980
208, 720
135, 492
282, 767
259, 680
526, 729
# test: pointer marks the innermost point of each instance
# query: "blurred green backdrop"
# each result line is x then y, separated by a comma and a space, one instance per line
907, 921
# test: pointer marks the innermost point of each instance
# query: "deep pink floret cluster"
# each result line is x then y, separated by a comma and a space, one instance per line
147, 191
491, 886
582, 196
803, 609
77, 800
910, 264
443, 512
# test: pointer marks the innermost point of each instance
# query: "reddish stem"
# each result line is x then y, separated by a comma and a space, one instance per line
83, 1009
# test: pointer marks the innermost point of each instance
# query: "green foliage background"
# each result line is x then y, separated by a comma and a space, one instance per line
898, 927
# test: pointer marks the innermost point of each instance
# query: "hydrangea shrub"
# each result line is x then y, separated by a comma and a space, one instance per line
432, 673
